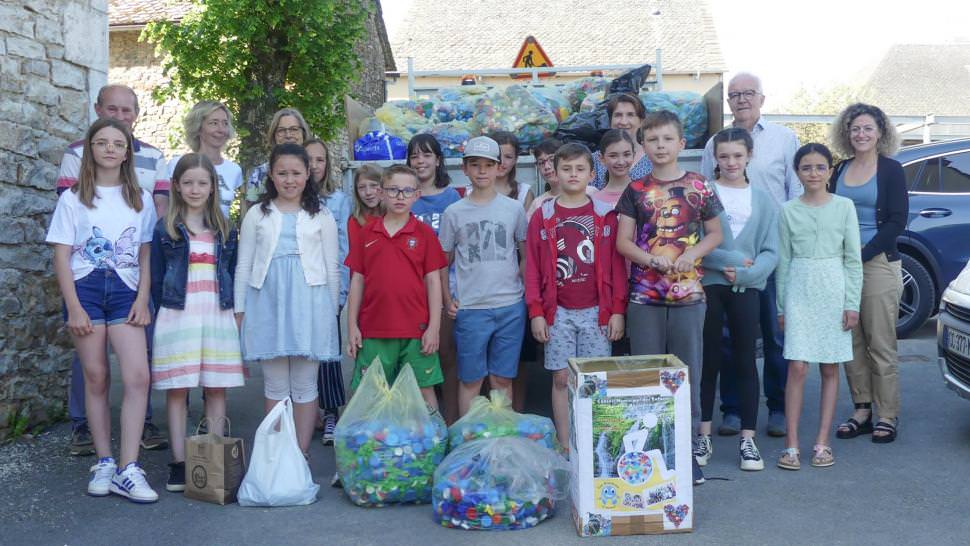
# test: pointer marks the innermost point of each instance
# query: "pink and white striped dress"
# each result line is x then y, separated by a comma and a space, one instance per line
197, 346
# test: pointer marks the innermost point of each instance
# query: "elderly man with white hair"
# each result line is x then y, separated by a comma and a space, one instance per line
770, 169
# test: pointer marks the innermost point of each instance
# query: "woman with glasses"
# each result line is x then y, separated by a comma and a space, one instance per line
626, 113
288, 126
877, 186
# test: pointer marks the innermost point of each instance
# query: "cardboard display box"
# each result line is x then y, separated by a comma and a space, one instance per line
631, 445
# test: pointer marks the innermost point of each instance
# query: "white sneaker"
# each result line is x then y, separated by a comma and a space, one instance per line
703, 449
130, 483
101, 475
750, 456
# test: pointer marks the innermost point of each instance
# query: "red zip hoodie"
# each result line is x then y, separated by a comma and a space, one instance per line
540, 265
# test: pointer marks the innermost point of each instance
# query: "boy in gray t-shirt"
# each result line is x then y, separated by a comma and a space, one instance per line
483, 235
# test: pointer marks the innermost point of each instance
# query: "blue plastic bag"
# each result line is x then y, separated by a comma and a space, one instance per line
378, 145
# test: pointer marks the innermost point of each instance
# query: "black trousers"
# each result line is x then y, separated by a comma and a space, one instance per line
742, 310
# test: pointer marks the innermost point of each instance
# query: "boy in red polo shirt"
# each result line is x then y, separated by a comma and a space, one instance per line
575, 280
394, 305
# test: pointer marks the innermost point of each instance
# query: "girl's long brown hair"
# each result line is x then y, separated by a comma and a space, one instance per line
367, 172
213, 218
86, 187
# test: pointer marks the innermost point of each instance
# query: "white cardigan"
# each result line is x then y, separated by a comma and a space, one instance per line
316, 239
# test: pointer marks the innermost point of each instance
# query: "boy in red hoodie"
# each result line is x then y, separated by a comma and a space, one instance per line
575, 283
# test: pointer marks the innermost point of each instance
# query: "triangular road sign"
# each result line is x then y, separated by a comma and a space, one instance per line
531, 55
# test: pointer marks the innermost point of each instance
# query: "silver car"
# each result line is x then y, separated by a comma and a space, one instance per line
953, 334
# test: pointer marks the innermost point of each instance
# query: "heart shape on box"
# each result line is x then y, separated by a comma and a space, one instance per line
676, 514
672, 380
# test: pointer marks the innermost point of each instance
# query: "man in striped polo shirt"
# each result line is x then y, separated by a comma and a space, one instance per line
117, 102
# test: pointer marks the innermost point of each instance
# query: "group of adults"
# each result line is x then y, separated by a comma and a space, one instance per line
869, 176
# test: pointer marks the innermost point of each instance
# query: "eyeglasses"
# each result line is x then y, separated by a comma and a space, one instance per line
280, 131
106, 144
748, 94
867, 129
544, 162
398, 193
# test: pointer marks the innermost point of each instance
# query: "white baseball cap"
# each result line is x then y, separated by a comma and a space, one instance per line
482, 147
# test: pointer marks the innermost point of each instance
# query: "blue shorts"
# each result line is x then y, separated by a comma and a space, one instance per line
489, 341
104, 297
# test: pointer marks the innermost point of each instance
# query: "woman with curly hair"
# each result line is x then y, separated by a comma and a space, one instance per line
877, 185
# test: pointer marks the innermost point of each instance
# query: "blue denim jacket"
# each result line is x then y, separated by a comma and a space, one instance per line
170, 267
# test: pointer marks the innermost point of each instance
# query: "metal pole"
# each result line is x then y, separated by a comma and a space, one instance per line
411, 93
658, 70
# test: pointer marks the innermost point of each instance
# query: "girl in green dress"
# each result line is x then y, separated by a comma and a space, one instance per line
819, 279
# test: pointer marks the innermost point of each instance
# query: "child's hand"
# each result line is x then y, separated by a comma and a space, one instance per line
685, 262
781, 322
730, 273
748, 262
661, 264
79, 323
452, 308
540, 329
239, 321
614, 329
139, 315
429, 341
354, 341
849, 319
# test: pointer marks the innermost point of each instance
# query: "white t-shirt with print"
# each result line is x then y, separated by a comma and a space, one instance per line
106, 236
230, 178
737, 206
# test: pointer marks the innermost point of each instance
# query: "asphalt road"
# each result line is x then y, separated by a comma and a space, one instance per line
914, 491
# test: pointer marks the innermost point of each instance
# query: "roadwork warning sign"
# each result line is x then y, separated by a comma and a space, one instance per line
531, 55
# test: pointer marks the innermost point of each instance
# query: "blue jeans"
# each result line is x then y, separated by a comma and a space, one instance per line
775, 373
108, 285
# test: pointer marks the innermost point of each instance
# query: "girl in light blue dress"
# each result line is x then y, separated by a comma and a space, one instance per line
819, 280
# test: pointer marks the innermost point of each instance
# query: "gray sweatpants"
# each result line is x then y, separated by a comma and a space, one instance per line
659, 329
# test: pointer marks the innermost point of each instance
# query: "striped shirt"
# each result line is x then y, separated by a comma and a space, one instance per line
149, 167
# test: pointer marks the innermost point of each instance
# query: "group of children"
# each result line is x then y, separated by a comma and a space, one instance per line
452, 282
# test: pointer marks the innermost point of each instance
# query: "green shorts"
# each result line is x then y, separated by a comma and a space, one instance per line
394, 354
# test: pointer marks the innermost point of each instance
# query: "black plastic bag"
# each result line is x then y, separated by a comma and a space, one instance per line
585, 128
630, 82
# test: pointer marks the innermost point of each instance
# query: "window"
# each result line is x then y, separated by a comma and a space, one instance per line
912, 173
955, 173
929, 181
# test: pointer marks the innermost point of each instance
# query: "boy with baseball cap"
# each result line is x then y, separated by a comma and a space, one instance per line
484, 235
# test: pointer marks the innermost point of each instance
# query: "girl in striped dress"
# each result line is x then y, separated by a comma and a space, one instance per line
196, 338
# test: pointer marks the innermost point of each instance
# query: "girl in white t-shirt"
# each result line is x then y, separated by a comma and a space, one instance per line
98, 233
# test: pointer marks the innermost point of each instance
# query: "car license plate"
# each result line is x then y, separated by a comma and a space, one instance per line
958, 343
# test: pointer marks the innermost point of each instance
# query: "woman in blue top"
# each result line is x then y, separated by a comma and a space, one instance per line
330, 380
877, 186
425, 157
626, 113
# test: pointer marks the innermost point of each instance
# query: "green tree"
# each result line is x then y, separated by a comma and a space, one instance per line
261, 55
829, 101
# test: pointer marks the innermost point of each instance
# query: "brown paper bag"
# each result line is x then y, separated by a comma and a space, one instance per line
214, 466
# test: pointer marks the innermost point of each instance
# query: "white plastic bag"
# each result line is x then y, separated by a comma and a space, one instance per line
278, 474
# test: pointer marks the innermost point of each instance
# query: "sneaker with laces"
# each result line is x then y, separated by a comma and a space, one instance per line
152, 438
750, 456
703, 449
329, 424
130, 482
335, 481
698, 474
101, 475
81, 442
176, 477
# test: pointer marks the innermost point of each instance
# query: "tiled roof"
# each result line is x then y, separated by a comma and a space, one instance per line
139, 12
915, 80
471, 34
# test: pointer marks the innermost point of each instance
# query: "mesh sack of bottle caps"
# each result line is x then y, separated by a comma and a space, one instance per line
689, 107
495, 418
515, 110
402, 121
576, 91
554, 100
457, 103
387, 443
452, 137
499, 484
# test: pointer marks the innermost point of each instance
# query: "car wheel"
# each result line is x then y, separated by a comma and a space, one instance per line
919, 294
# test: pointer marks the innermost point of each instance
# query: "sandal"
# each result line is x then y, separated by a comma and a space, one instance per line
888, 427
823, 456
852, 428
789, 459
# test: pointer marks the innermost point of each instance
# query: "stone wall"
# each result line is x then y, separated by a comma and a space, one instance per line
53, 59
135, 64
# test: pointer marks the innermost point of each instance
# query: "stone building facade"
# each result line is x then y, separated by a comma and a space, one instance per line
134, 63
53, 59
